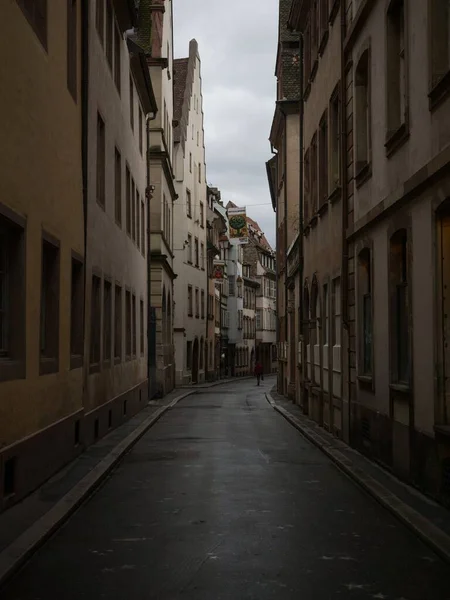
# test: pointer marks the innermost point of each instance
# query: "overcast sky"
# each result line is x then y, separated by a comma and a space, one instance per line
237, 44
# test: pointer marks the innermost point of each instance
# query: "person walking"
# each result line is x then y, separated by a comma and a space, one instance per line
258, 371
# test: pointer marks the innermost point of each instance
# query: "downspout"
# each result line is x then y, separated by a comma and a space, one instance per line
344, 186
300, 208
150, 353
84, 150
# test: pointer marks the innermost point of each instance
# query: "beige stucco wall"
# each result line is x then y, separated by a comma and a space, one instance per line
40, 171
111, 253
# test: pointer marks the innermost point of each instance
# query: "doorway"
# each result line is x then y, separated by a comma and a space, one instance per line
195, 362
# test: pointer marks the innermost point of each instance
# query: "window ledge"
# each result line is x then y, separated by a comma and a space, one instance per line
323, 41
442, 429
307, 91
363, 173
323, 208
107, 363
335, 194
333, 12
314, 69
313, 221
76, 361
117, 360
48, 366
439, 92
11, 369
94, 368
396, 139
403, 388
306, 230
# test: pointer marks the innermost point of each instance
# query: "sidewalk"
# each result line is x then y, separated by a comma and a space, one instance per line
429, 520
26, 526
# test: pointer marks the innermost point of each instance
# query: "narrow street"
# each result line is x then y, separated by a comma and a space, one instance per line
223, 499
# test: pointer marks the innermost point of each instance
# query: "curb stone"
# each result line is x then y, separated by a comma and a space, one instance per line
434, 537
23, 547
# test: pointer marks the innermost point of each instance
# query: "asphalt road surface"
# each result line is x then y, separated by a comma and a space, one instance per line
223, 499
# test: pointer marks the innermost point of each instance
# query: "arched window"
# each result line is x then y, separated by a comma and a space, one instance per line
362, 111
163, 317
395, 66
201, 354
399, 307
365, 306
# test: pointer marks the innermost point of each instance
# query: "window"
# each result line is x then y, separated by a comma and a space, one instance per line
259, 324
190, 162
306, 187
197, 309
203, 304
49, 325
196, 253
197, 138
202, 215
142, 322
131, 103
326, 316
189, 248
307, 59
202, 255
128, 199
107, 317
190, 308
94, 357
395, 67
72, 63
133, 210
138, 220
100, 161
324, 12
399, 313
12, 299
141, 130
188, 204
335, 137
362, 112
440, 40
336, 308
117, 58
199, 173
239, 289
76, 313
313, 178
118, 186
323, 161
109, 33
314, 30
128, 324
143, 227
118, 323
36, 14
365, 308
100, 19
188, 355
134, 324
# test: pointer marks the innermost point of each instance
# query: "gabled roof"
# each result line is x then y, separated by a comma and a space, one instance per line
184, 71
262, 241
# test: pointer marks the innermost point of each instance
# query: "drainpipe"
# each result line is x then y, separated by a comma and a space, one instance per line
344, 186
151, 351
84, 148
300, 209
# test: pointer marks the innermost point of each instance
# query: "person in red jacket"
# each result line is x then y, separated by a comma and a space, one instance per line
258, 371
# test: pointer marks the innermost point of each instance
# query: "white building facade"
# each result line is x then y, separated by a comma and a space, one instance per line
190, 233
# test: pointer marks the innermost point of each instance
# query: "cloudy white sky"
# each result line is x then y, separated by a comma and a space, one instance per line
237, 44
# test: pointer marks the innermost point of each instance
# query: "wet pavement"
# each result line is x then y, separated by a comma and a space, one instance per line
224, 499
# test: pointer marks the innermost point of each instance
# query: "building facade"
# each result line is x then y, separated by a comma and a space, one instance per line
259, 264
163, 196
42, 243
284, 182
397, 214
120, 98
320, 392
190, 228
216, 227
